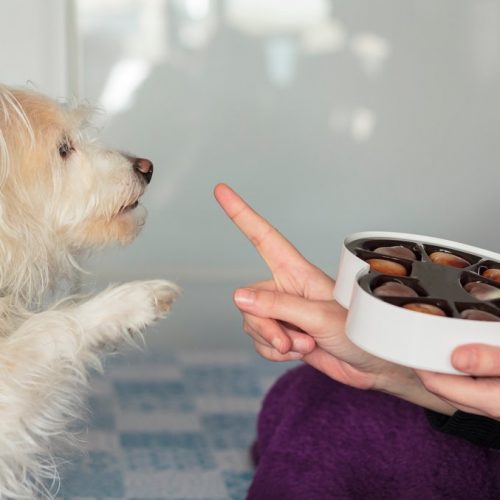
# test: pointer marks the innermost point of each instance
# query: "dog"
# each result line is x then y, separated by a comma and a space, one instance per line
61, 196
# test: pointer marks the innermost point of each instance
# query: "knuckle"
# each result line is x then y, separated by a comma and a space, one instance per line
489, 360
266, 302
324, 315
247, 329
266, 352
483, 360
263, 351
249, 326
274, 355
271, 300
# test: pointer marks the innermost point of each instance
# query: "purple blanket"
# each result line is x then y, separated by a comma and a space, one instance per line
318, 439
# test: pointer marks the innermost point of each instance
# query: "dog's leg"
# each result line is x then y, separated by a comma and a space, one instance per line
119, 312
43, 366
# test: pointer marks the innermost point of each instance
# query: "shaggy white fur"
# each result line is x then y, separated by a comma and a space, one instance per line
60, 196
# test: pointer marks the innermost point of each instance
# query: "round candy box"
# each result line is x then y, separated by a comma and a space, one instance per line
412, 299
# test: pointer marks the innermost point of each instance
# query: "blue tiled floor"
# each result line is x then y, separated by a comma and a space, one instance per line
176, 427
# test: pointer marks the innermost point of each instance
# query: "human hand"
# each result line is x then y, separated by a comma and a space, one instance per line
294, 316
478, 393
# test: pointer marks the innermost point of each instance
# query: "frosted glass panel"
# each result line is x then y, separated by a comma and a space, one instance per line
331, 117
33, 45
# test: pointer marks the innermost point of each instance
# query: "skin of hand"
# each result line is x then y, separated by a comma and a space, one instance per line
293, 315
478, 393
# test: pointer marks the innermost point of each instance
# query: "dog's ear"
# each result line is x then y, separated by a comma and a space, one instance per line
4, 156
4, 152
15, 128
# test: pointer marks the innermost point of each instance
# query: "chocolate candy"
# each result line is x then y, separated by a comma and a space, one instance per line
492, 274
425, 308
448, 259
482, 291
397, 251
387, 267
478, 315
394, 289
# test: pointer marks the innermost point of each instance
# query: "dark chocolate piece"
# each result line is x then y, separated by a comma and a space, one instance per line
482, 291
478, 315
448, 259
425, 308
387, 267
492, 274
397, 251
394, 289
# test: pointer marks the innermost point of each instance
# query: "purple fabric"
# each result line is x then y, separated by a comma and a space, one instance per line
318, 439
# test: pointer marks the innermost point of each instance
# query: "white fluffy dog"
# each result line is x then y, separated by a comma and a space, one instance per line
60, 195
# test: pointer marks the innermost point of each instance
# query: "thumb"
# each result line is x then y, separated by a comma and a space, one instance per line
313, 316
477, 359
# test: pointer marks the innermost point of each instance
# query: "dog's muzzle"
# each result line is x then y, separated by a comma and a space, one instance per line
144, 168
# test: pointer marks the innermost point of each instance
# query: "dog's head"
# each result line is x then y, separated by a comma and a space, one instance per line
59, 192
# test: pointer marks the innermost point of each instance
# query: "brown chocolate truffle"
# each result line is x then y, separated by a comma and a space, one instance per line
387, 267
397, 251
492, 274
394, 289
448, 259
425, 308
482, 291
478, 315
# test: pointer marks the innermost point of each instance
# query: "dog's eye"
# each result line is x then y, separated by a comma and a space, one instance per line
65, 149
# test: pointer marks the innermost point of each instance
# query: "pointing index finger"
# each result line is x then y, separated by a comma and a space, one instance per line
272, 246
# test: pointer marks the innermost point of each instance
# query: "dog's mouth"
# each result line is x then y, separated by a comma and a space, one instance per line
128, 208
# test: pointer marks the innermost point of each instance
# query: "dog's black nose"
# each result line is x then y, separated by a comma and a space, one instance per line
144, 168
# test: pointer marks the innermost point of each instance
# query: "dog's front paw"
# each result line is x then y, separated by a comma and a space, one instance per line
163, 293
129, 307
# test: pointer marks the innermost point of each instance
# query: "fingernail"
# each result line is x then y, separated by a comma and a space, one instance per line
295, 355
244, 296
465, 359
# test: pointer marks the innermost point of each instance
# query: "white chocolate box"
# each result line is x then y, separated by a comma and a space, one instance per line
383, 328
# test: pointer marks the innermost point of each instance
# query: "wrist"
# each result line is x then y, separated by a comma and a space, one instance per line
404, 384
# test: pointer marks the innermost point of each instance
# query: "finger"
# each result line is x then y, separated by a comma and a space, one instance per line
273, 355
481, 395
259, 341
264, 285
467, 409
477, 359
427, 380
314, 317
268, 332
274, 248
